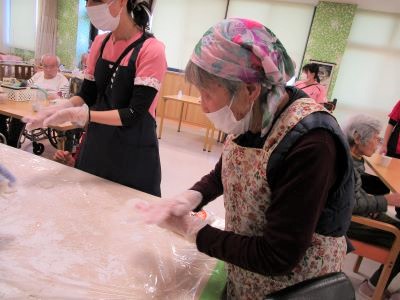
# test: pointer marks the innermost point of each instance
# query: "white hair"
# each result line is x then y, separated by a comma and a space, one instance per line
363, 125
50, 55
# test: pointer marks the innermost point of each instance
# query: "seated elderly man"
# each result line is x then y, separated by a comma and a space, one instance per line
372, 197
49, 79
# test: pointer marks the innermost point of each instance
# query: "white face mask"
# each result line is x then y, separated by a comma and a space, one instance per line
101, 17
224, 120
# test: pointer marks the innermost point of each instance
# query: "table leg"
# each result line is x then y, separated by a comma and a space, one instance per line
180, 117
61, 138
206, 138
211, 139
162, 119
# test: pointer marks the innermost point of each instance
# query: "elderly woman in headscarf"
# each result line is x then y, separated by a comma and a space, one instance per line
285, 170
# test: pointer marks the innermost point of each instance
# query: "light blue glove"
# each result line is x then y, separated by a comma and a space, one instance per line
6, 174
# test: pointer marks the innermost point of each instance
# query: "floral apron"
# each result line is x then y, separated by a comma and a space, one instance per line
247, 198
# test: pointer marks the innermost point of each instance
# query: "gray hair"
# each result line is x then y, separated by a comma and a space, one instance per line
50, 55
363, 125
201, 79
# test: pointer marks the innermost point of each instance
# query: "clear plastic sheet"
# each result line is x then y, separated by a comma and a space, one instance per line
65, 234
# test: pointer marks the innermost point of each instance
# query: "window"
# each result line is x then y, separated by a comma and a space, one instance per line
22, 23
369, 71
179, 24
290, 22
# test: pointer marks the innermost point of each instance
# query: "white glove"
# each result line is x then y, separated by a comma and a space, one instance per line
186, 202
36, 121
76, 115
187, 226
6, 174
156, 212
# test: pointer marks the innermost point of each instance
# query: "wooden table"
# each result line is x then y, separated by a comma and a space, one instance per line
20, 109
188, 100
390, 175
66, 234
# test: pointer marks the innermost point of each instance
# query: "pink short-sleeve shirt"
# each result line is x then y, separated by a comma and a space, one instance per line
315, 91
395, 115
151, 64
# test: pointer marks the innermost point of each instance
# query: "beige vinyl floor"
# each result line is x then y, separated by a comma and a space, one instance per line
184, 162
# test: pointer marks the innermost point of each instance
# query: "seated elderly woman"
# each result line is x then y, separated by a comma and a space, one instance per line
372, 197
285, 171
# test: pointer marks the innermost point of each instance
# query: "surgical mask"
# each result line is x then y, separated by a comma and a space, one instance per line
101, 17
224, 120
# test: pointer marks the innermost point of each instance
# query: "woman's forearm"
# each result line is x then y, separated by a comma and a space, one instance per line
108, 117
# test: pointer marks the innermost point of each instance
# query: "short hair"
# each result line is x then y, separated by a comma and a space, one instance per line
363, 125
50, 55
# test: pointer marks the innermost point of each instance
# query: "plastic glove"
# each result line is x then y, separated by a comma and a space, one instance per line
36, 121
156, 212
187, 226
5, 175
76, 115
186, 202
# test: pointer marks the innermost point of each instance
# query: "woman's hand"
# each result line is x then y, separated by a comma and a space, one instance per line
383, 150
64, 157
156, 212
76, 115
393, 199
36, 121
187, 226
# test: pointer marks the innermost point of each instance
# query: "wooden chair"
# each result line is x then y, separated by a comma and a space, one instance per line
385, 256
18, 71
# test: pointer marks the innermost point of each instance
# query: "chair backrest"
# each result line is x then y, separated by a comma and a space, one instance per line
18, 71
387, 257
328, 287
331, 105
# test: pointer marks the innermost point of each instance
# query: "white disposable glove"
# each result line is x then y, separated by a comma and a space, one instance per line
4, 173
36, 121
156, 212
78, 115
187, 226
186, 202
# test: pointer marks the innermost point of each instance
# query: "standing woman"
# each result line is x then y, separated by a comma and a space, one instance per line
391, 140
118, 98
311, 85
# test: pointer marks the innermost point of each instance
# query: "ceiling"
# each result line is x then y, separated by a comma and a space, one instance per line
391, 6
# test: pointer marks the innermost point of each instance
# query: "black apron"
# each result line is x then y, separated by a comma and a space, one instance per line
125, 154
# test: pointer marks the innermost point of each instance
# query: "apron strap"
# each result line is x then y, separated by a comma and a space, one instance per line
308, 86
136, 43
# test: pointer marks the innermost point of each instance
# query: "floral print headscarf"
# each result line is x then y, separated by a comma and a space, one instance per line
245, 50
